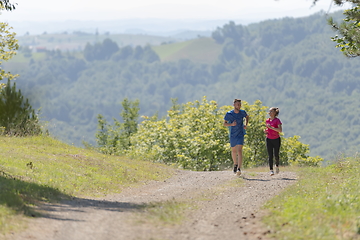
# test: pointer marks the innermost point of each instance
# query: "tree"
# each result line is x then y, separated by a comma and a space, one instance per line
8, 47
130, 115
114, 139
109, 47
348, 29
17, 118
5, 4
100, 51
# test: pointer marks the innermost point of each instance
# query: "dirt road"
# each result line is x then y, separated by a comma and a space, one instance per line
224, 207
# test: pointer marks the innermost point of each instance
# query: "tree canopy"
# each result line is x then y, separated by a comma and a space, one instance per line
7, 5
8, 48
348, 28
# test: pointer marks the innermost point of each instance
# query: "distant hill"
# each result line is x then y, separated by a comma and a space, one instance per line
290, 63
76, 41
148, 26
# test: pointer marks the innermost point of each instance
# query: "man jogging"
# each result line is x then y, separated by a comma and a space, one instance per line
234, 119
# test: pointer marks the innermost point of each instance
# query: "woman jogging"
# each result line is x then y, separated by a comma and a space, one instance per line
273, 140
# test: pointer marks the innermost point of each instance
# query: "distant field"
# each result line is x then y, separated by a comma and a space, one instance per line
73, 43
77, 42
19, 61
201, 50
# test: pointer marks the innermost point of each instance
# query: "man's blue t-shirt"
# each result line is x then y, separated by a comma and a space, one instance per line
238, 130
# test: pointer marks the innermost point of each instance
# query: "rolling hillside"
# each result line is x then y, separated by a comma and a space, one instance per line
201, 50
289, 63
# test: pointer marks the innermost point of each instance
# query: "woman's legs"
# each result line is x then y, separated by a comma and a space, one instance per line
277, 144
273, 148
270, 148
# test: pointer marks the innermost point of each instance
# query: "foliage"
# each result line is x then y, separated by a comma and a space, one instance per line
130, 115
193, 137
294, 152
100, 51
8, 47
323, 204
114, 139
5, 4
255, 153
349, 41
232, 31
127, 53
16, 114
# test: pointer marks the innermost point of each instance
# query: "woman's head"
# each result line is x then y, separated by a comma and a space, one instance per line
274, 110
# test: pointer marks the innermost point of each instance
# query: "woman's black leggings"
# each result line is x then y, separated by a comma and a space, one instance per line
273, 148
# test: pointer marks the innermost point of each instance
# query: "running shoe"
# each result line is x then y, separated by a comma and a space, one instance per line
238, 172
271, 173
235, 168
277, 170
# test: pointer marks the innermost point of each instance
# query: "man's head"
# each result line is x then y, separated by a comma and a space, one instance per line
237, 104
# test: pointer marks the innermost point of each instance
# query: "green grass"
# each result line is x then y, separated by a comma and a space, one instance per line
19, 61
170, 212
201, 50
42, 169
324, 204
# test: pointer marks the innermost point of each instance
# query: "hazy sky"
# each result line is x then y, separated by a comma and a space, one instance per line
50, 10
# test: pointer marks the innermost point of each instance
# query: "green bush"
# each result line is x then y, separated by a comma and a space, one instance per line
193, 137
17, 118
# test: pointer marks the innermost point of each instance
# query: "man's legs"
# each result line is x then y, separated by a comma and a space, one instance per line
236, 154
234, 158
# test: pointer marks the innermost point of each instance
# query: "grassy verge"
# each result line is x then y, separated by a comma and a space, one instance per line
163, 213
38, 169
324, 204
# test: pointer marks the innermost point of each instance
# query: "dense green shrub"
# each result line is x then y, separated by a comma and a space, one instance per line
17, 118
193, 137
